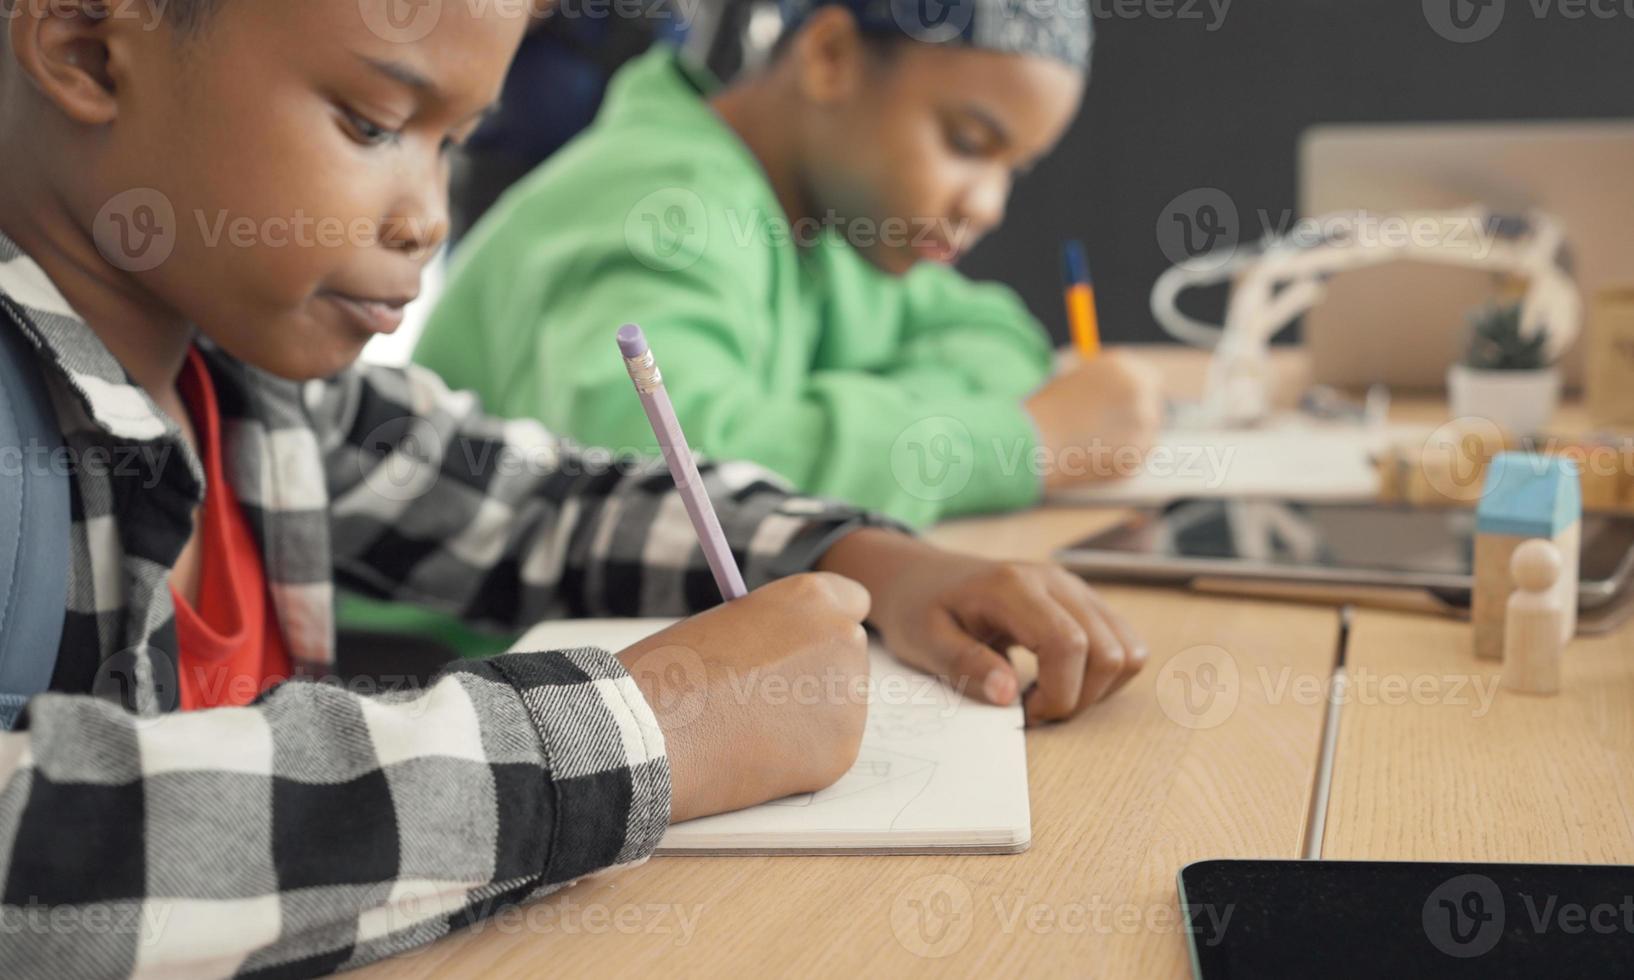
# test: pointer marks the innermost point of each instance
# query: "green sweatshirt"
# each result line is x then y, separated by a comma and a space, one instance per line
902, 395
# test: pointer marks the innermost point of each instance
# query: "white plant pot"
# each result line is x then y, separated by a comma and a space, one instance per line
1521, 402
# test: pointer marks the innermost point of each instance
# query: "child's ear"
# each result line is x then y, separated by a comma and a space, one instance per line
829, 56
62, 47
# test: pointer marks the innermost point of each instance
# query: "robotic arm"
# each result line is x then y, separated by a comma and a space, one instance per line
1282, 276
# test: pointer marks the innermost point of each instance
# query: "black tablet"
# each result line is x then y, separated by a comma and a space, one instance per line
1394, 546
1407, 919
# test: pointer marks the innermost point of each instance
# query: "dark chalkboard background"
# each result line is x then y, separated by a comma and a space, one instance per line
1173, 106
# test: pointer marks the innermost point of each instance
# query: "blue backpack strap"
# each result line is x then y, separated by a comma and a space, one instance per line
34, 526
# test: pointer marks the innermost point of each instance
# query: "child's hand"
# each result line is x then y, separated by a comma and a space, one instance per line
1098, 420
953, 615
760, 698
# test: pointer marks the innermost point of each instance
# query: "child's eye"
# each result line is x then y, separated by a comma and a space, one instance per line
968, 144
366, 131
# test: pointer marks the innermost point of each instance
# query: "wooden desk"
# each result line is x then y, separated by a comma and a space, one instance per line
1127, 794
1122, 797
1462, 770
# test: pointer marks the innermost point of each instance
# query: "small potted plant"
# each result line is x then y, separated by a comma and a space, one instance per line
1505, 377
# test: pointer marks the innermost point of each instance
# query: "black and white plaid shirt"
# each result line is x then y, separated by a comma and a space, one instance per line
319, 829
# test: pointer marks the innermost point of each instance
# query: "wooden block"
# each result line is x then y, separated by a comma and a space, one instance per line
1526, 496
1600, 468
1609, 375
1533, 643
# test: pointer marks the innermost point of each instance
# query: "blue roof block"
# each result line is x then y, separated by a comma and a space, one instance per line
1529, 495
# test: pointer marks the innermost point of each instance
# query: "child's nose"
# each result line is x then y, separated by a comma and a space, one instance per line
420, 223
983, 206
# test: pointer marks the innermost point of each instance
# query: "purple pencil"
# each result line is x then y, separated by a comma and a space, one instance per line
649, 384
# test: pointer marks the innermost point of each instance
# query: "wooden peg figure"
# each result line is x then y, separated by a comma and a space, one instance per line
1525, 496
1533, 621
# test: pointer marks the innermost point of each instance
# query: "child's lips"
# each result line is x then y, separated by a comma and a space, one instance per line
943, 252
376, 316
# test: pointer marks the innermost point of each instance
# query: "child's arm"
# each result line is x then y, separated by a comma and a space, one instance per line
317, 829
505, 525
878, 441
953, 337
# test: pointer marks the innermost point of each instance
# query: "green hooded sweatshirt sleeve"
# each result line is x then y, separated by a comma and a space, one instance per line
779, 345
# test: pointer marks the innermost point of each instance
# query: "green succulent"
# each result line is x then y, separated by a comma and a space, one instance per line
1496, 344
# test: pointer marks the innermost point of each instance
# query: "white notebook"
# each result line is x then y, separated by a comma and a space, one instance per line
937, 772
1308, 463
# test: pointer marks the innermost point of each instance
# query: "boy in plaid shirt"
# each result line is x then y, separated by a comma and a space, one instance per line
209, 206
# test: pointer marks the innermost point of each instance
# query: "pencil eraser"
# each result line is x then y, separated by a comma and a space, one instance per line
631, 341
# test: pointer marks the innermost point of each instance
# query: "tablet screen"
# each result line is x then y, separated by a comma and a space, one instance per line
1407, 919
1369, 537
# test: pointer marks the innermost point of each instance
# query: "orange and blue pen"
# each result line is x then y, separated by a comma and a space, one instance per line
1086, 330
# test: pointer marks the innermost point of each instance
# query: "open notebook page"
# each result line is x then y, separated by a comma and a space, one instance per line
937, 772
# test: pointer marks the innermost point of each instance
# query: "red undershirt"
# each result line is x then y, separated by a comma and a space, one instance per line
231, 647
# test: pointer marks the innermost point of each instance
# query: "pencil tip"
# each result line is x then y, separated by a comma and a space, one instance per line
1074, 263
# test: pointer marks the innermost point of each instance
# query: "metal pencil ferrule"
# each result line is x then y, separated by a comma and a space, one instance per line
644, 372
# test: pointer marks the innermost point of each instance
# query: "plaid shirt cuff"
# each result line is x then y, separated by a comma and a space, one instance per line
604, 752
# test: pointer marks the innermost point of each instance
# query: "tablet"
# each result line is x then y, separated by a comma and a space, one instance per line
1407, 919
1364, 545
